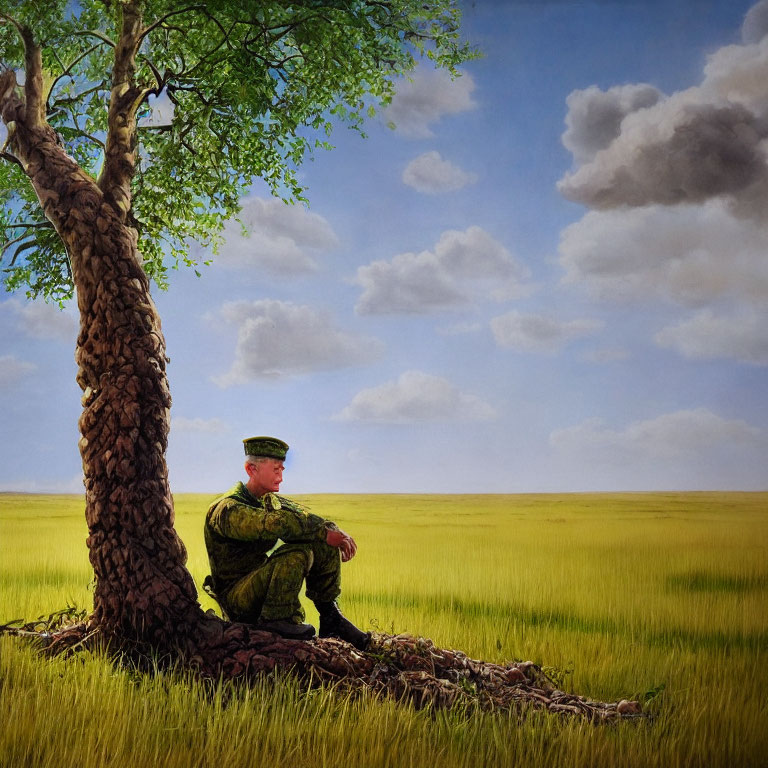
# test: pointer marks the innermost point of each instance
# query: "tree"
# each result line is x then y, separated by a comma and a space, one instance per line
99, 200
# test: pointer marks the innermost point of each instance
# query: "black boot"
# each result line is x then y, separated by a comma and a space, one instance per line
286, 628
334, 624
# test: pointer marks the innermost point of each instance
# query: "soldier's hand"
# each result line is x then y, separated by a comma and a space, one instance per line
343, 542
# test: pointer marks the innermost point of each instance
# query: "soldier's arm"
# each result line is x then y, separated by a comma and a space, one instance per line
327, 530
235, 520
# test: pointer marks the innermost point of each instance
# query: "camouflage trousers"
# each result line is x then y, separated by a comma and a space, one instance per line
271, 591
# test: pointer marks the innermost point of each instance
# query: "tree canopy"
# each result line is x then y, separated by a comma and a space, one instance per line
253, 87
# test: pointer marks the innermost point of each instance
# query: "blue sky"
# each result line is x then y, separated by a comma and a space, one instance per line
552, 275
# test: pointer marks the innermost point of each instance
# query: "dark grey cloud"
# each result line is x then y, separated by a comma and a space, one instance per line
698, 152
633, 146
594, 116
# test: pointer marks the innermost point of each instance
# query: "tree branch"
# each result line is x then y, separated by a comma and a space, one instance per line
68, 70
98, 35
11, 159
125, 98
25, 247
13, 21
161, 20
30, 225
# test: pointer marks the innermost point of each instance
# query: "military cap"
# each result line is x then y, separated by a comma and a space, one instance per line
270, 447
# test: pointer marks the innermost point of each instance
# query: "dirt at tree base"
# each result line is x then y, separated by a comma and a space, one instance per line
402, 667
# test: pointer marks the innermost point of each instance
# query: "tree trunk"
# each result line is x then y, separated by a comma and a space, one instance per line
143, 590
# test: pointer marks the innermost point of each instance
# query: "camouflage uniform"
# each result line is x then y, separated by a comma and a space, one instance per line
249, 583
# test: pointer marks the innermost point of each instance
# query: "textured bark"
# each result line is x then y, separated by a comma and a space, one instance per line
142, 587
143, 591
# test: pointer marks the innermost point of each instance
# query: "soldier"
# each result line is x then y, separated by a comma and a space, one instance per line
261, 588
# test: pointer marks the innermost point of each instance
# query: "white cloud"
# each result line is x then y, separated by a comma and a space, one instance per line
12, 371
39, 320
198, 424
461, 265
689, 255
280, 238
539, 333
425, 98
416, 397
670, 435
740, 336
430, 174
277, 338
755, 26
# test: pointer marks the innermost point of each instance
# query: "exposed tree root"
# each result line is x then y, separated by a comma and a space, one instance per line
402, 667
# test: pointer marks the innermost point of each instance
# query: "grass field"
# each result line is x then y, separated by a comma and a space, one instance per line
660, 597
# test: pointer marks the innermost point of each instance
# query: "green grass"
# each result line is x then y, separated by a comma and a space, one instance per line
652, 596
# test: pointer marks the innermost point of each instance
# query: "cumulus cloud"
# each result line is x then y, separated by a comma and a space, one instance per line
690, 255
199, 425
667, 436
698, 152
416, 397
425, 98
430, 174
741, 336
39, 320
539, 333
461, 265
12, 371
755, 26
279, 238
277, 338
594, 116
694, 145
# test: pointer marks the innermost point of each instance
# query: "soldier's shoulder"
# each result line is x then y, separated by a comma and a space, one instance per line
233, 498
291, 504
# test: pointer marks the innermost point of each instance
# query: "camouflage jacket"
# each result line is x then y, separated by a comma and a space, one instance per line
241, 529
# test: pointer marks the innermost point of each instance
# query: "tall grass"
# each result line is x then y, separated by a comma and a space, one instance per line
653, 596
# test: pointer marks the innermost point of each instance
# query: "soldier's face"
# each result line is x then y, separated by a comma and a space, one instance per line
267, 475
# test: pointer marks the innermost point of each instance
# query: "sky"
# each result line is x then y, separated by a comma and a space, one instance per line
551, 275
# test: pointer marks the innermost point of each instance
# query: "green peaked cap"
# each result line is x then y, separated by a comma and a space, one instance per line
270, 447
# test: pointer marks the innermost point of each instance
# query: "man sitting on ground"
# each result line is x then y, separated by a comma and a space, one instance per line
253, 586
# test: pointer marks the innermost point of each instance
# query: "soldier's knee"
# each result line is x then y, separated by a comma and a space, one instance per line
298, 558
